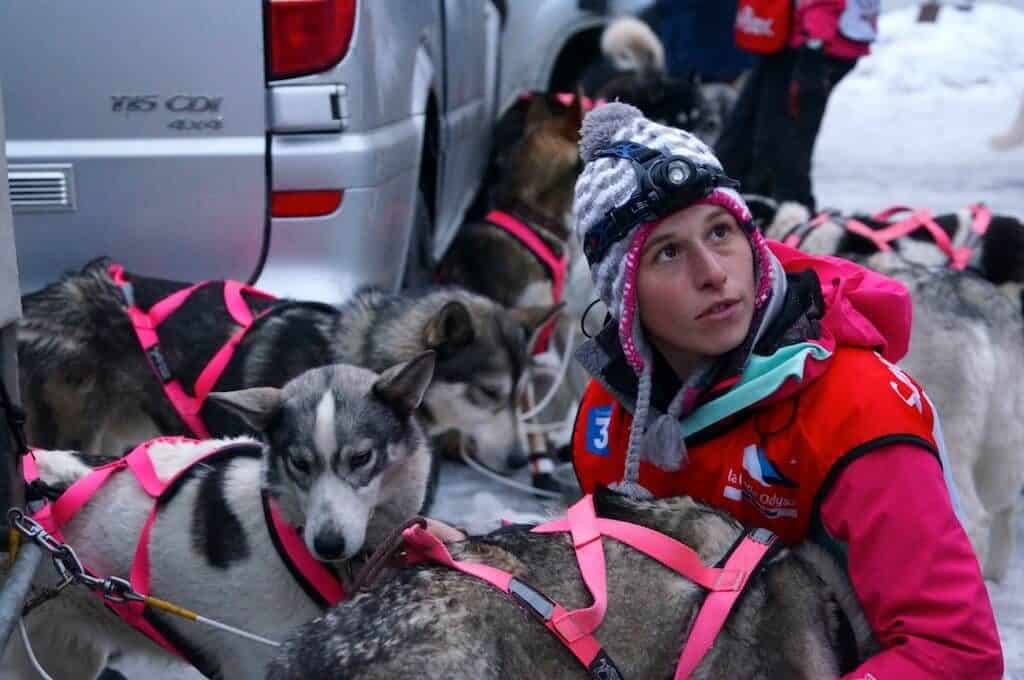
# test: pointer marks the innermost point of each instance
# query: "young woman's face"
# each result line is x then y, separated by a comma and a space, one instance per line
695, 285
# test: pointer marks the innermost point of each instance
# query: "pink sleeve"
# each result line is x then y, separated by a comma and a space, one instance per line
819, 18
913, 569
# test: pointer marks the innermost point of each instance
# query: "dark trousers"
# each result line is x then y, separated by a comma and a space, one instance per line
769, 139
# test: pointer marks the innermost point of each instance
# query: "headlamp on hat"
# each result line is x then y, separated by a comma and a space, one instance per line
665, 184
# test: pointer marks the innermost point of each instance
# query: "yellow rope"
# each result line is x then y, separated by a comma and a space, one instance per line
13, 543
165, 606
170, 608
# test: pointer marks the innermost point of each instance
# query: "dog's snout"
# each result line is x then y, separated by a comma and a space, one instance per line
329, 545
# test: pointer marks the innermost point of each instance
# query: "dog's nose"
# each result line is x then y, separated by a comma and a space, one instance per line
516, 460
329, 545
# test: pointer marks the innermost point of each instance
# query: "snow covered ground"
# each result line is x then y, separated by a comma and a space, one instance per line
909, 125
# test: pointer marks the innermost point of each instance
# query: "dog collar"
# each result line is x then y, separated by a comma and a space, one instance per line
318, 582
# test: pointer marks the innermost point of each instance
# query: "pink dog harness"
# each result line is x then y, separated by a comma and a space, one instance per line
555, 265
322, 585
566, 99
959, 257
575, 628
146, 323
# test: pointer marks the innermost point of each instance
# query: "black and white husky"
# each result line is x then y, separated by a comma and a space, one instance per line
343, 458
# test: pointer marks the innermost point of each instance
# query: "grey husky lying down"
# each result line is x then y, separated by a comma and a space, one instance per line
88, 385
797, 619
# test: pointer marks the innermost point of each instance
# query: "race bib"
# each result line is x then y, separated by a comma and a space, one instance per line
598, 419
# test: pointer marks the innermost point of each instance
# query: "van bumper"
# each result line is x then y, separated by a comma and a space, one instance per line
363, 242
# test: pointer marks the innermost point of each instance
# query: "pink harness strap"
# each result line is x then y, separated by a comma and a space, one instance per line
981, 218
55, 515
796, 236
712, 615
141, 466
665, 549
320, 584
959, 257
917, 220
566, 99
575, 628
890, 212
146, 323
556, 266
422, 546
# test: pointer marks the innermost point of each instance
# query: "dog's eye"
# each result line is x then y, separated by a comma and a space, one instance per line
483, 396
300, 464
360, 459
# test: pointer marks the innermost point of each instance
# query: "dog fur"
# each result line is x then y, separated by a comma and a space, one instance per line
966, 350
345, 460
88, 386
533, 172
535, 178
431, 621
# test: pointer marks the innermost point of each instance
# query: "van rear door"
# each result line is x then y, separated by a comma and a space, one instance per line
471, 31
136, 130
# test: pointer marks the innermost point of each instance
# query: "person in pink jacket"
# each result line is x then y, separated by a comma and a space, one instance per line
717, 338
768, 141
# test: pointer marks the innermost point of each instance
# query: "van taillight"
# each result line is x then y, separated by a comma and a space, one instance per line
305, 203
308, 36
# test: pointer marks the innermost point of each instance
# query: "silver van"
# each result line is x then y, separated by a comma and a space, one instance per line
307, 146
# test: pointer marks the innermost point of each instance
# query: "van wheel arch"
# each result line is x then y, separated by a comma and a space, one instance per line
579, 52
419, 266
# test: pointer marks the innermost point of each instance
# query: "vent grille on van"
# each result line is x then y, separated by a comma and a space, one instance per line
41, 188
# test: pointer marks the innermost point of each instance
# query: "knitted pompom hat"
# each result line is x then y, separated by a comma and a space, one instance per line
607, 183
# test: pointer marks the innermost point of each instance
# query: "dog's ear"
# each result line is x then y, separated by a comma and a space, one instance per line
538, 112
572, 121
402, 387
450, 330
256, 405
532, 318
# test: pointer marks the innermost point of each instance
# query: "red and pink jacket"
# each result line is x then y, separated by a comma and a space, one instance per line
846, 27
883, 507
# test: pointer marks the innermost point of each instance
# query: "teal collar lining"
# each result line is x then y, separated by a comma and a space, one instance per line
761, 378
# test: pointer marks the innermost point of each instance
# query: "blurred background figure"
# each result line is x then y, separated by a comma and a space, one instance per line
698, 38
769, 138
676, 61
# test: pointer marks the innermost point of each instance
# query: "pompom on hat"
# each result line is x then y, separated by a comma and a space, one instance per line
607, 183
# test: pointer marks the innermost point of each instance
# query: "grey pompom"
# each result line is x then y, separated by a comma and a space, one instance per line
601, 124
663, 444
